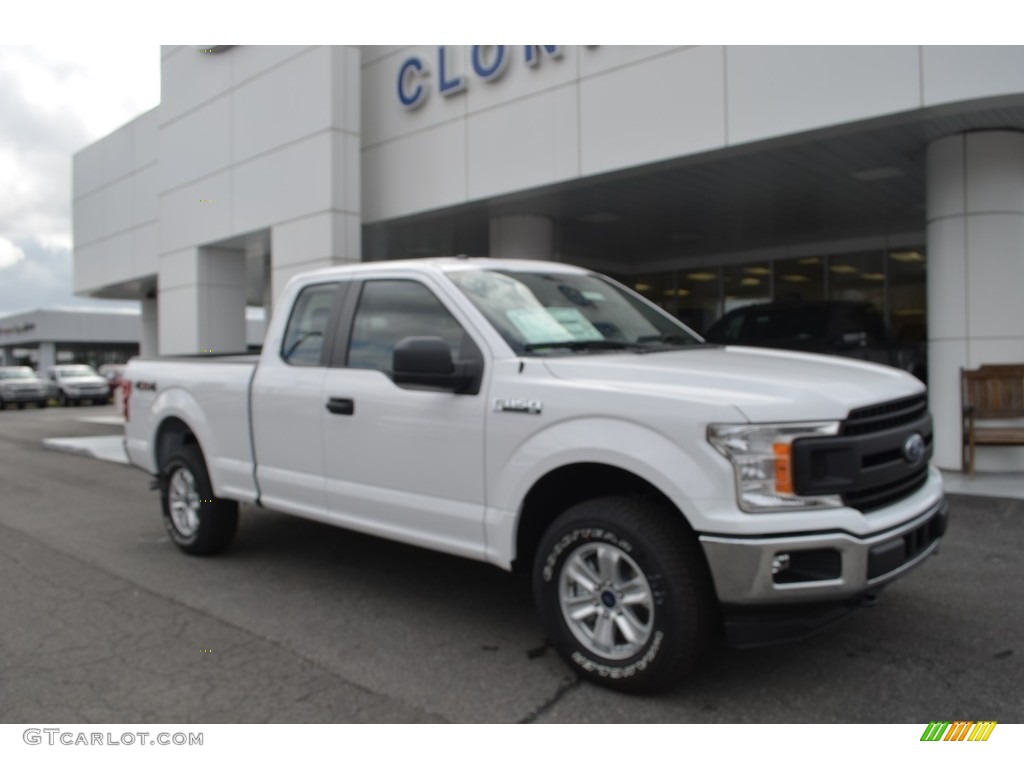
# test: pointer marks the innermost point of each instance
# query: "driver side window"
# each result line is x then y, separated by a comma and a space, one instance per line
391, 310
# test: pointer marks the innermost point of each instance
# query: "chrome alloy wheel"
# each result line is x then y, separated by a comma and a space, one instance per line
606, 601
183, 501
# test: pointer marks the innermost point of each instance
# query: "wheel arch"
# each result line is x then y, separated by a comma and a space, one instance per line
172, 434
568, 485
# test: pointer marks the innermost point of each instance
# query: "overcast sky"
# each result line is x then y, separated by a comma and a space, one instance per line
55, 100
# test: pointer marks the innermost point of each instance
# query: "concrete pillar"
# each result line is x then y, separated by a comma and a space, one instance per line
149, 342
47, 356
201, 303
975, 214
332, 236
522, 237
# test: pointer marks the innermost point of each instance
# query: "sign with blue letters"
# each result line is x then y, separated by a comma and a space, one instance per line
417, 76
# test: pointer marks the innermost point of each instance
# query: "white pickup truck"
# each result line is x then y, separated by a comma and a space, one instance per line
663, 492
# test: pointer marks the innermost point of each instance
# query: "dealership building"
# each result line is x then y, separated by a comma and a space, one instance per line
705, 177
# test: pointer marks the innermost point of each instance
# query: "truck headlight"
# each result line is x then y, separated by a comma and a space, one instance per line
761, 456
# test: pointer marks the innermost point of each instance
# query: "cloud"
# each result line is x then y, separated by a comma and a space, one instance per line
40, 278
54, 101
10, 254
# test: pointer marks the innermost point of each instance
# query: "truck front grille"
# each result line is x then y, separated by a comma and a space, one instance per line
870, 463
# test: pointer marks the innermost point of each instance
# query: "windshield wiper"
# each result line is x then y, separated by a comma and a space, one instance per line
581, 345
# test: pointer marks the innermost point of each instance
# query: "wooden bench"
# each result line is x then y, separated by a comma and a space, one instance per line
991, 392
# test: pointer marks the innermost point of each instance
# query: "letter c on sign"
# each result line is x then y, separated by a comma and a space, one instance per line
411, 69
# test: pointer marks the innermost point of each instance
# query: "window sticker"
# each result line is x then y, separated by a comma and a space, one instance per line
537, 326
572, 320
593, 296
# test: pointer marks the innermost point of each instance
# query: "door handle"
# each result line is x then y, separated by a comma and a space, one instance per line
342, 406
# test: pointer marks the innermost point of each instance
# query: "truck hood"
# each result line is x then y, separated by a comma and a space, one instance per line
764, 384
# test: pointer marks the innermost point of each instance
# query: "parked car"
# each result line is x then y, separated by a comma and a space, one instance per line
74, 384
543, 418
854, 329
19, 384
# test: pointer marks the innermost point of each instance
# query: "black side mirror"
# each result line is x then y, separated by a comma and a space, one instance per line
427, 361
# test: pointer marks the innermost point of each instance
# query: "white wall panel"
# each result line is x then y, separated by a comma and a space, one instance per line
778, 90
995, 175
87, 173
291, 182
372, 53
346, 162
962, 72
346, 81
947, 279
196, 145
144, 205
519, 80
187, 221
594, 59
996, 280
662, 107
89, 270
87, 219
118, 153
419, 172
527, 143
945, 358
146, 249
178, 269
945, 177
189, 78
147, 130
178, 321
248, 61
118, 205
289, 102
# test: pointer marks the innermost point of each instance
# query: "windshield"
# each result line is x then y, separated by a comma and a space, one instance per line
17, 373
547, 313
76, 371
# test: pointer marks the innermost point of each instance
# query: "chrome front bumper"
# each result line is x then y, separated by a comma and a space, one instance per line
819, 567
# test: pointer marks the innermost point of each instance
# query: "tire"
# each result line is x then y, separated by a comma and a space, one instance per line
196, 521
623, 593
42, 404
21, 406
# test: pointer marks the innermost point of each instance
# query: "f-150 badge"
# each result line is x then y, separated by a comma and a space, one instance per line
518, 406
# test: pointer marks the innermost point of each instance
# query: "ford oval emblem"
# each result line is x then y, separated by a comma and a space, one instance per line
913, 449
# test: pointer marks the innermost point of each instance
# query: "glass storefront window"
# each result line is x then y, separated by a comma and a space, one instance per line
858, 277
893, 281
908, 295
745, 284
700, 297
801, 279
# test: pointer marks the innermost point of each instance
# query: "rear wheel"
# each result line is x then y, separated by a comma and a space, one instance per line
196, 521
623, 593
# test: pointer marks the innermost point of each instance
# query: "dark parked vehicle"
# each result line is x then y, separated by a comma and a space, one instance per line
848, 328
19, 384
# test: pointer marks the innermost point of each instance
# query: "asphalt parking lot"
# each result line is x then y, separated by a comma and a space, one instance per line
104, 620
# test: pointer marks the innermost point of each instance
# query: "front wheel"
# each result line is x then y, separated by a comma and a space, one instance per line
196, 521
623, 593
